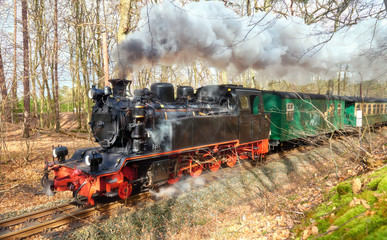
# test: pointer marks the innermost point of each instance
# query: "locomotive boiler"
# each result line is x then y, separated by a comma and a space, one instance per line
152, 137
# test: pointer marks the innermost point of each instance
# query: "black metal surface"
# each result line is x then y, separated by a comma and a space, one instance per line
185, 91
205, 130
159, 171
164, 91
119, 87
111, 162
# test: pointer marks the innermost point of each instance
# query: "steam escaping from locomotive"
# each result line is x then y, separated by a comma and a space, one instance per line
184, 185
173, 34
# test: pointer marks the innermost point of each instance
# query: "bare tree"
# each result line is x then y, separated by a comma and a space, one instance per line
26, 75
3, 88
14, 77
55, 77
125, 22
248, 7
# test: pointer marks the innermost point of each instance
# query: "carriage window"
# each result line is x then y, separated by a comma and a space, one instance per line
357, 106
244, 102
339, 109
332, 109
373, 108
254, 104
385, 108
289, 112
369, 109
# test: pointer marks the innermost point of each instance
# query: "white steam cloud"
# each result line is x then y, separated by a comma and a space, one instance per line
173, 34
184, 185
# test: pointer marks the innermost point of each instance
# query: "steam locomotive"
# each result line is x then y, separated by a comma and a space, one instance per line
153, 138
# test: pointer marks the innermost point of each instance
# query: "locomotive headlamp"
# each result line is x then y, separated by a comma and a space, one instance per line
90, 93
93, 160
87, 160
60, 153
95, 93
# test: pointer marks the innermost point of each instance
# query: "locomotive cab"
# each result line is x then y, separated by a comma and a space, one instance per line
253, 121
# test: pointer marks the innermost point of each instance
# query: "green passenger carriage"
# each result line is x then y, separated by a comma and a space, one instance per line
298, 115
374, 110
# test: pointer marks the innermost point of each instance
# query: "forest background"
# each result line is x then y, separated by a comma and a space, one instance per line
51, 54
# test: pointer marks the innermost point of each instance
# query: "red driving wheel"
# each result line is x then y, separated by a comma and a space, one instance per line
231, 160
174, 178
214, 165
196, 170
125, 190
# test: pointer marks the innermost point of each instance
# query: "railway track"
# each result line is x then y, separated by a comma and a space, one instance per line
33, 223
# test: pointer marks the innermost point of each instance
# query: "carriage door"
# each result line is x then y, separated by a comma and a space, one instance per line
250, 116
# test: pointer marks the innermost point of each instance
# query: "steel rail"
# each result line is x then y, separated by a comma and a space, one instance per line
63, 218
37, 214
57, 221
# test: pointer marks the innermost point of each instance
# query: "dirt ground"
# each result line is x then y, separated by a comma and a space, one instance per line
22, 162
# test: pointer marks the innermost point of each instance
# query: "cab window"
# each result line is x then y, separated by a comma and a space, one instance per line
244, 102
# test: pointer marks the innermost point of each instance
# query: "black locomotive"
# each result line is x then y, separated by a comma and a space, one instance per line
152, 137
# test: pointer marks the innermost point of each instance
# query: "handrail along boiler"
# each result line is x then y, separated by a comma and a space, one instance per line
152, 138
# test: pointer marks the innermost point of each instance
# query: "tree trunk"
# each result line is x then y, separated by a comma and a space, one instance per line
78, 36
124, 27
248, 7
338, 81
14, 78
56, 85
26, 79
98, 51
3, 87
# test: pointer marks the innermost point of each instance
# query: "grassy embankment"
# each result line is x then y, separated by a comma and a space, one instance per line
354, 209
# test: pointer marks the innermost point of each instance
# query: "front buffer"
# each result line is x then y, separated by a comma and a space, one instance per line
87, 183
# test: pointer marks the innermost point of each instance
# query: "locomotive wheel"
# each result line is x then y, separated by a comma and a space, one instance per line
196, 171
174, 178
125, 190
214, 166
231, 160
